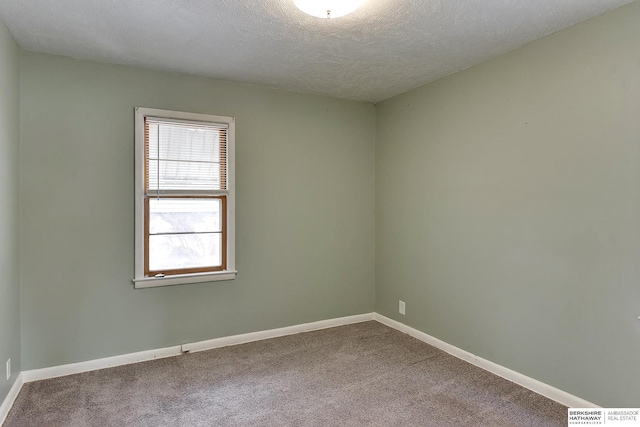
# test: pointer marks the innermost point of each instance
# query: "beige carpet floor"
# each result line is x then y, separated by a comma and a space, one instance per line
364, 374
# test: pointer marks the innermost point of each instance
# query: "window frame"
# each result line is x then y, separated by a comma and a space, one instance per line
147, 234
176, 277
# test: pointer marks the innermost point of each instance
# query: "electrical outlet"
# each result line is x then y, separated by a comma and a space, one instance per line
401, 307
8, 369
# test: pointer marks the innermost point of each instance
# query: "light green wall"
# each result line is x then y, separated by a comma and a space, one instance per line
305, 212
507, 203
508, 209
9, 208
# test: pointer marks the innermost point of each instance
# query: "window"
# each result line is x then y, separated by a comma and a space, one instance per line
185, 198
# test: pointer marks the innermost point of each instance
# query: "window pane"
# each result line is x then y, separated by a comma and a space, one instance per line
170, 252
185, 215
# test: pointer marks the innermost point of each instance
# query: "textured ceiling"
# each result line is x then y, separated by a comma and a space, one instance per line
384, 48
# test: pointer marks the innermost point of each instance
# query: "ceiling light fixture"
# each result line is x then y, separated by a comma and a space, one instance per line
328, 8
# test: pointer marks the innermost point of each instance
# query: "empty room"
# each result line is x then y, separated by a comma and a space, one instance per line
305, 212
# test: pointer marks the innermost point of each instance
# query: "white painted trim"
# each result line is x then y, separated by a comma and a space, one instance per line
139, 280
527, 382
280, 332
92, 365
11, 397
181, 279
126, 359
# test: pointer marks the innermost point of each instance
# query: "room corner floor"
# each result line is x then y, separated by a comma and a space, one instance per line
364, 374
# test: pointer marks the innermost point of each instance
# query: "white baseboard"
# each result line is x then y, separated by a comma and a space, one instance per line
92, 365
527, 382
280, 332
126, 359
11, 397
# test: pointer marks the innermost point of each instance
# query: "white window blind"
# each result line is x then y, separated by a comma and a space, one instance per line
184, 156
